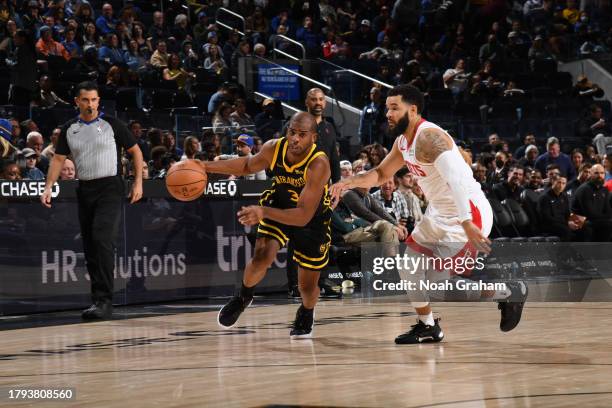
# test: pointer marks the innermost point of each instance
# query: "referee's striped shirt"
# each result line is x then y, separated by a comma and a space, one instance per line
95, 146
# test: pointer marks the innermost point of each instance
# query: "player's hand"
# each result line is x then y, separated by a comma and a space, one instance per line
250, 215
336, 191
136, 193
45, 198
476, 238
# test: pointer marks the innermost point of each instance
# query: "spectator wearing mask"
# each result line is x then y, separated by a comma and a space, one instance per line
512, 187
499, 173
592, 200
584, 174
31, 171
553, 155
554, 213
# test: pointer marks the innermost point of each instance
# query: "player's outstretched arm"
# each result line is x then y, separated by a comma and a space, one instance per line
372, 178
317, 175
434, 146
242, 166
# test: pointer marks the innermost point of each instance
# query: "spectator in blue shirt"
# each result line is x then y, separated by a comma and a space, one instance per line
222, 95
110, 53
71, 45
307, 36
31, 171
106, 22
554, 156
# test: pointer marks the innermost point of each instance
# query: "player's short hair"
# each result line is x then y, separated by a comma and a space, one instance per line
410, 94
85, 86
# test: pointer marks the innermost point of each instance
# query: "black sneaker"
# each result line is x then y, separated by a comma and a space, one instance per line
98, 311
421, 333
229, 314
302, 326
294, 293
512, 308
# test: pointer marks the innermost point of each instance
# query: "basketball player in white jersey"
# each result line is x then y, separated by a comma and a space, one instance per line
458, 218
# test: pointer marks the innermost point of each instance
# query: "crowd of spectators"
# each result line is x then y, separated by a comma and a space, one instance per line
182, 57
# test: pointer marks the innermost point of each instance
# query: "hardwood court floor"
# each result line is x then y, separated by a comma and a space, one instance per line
560, 356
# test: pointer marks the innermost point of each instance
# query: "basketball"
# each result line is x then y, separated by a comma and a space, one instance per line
186, 180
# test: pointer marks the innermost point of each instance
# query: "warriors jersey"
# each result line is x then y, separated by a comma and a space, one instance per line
289, 180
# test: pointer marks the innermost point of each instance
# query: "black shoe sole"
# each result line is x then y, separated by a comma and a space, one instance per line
421, 342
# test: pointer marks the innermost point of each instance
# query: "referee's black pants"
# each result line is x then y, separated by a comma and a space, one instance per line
100, 203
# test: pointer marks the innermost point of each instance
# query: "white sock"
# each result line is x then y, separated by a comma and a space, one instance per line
427, 319
502, 294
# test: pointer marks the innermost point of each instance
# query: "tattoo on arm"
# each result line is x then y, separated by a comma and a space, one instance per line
430, 144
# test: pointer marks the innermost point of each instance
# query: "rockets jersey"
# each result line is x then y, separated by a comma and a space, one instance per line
434, 187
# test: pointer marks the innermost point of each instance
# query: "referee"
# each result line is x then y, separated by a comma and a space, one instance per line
95, 142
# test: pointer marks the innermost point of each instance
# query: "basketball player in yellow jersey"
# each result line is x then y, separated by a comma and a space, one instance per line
296, 208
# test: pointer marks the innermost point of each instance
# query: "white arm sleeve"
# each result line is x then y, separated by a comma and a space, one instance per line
447, 165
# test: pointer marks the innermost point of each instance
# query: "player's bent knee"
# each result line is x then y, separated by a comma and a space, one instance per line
263, 257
